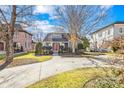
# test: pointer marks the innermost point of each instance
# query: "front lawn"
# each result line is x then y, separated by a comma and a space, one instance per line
73, 79
27, 58
2, 56
32, 56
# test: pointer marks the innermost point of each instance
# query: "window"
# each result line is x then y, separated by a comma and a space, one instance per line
25, 35
14, 44
47, 44
16, 34
100, 34
92, 36
25, 45
120, 30
109, 31
57, 36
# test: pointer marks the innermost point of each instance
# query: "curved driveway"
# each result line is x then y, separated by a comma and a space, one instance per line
22, 76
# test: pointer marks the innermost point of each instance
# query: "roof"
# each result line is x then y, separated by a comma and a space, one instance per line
25, 32
20, 28
64, 37
118, 22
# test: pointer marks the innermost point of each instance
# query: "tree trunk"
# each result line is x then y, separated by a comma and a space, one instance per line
73, 47
9, 48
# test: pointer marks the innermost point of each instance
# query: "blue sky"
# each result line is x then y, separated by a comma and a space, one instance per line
118, 12
46, 19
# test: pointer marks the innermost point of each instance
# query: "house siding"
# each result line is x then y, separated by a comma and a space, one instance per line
108, 34
116, 30
23, 38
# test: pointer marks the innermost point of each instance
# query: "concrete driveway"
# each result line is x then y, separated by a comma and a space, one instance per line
22, 76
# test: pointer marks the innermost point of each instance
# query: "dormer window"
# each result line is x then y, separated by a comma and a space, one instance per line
57, 36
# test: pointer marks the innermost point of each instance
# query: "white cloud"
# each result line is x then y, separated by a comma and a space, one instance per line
106, 7
54, 17
43, 26
44, 9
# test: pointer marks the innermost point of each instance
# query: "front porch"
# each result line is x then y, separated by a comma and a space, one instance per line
57, 46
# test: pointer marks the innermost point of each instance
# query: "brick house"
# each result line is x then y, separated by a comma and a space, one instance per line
22, 40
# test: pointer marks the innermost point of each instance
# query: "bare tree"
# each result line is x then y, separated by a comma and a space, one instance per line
79, 20
118, 44
38, 35
10, 16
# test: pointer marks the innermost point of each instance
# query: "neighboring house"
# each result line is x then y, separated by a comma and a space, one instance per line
22, 40
105, 34
56, 40
33, 45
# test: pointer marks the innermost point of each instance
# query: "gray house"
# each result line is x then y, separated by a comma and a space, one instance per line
57, 40
105, 34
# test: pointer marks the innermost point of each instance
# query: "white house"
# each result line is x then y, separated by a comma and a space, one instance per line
105, 34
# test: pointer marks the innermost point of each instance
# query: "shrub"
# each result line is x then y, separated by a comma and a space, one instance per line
51, 52
60, 51
103, 82
86, 43
47, 50
38, 49
80, 46
118, 44
106, 83
115, 48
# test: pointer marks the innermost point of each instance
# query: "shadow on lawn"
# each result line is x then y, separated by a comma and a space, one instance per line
4, 65
78, 55
74, 56
90, 57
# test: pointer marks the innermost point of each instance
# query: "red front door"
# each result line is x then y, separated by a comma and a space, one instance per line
1, 46
55, 46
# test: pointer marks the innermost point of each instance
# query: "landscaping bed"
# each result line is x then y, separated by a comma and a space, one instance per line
80, 78
27, 58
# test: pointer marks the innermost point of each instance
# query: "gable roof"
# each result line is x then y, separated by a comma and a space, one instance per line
118, 22
25, 32
49, 37
20, 29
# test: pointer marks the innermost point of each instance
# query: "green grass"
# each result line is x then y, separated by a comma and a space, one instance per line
32, 56
2, 56
21, 54
71, 79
